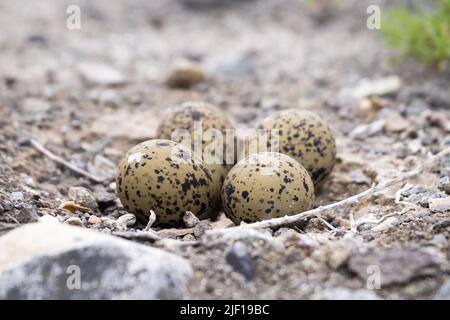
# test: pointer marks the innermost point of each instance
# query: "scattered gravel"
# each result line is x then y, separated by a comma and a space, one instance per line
97, 91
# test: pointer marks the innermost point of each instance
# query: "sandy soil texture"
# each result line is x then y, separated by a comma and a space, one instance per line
88, 95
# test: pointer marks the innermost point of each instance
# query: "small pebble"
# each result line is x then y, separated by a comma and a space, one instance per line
83, 197
440, 239
444, 184
17, 197
184, 76
446, 141
190, 220
239, 258
396, 123
364, 131
377, 87
27, 180
74, 221
440, 204
235, 67
104, 197
189, 237
107, 222
127, 220
27, 214
94, 220
101, 74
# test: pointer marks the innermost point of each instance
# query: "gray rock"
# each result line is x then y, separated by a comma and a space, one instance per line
445, 162
190, 220
74, 221
345, 294
26, 214
104, 197
17, 197
412, 191
446, 141
246, 235
343, 100
440, 204
357, 176
83, 197
444, 291
415, 108
48, 260
240, 259
444, 184
419, 195
439, 239
439, 97
396, 266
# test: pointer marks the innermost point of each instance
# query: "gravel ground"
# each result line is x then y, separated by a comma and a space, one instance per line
88, 95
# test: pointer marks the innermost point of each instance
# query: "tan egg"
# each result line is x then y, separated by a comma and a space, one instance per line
304, 136
266, 185
164, 176
201, 122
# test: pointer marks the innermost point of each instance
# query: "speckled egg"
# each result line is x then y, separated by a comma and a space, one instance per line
164, 176
188, 116
266, 185
304, 136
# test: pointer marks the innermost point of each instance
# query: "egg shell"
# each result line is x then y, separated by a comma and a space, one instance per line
304, 136
184, 117
266, 185
164, 176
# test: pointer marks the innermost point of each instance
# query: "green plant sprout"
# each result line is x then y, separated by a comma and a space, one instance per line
421, 34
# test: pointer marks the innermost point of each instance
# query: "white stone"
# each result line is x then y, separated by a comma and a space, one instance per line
100, 73
36, 261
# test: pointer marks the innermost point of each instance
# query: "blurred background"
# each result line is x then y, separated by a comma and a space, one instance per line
80, 72
89, 79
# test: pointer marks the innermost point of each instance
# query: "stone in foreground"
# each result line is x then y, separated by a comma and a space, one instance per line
47, 260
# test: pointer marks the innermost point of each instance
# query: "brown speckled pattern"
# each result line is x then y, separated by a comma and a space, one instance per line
183, 117
161, 175
266, 185
305, 137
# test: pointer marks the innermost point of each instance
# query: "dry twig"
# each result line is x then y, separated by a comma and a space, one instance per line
39, 147
137, 235
12, 218
379, 221
151, 220
327, 224
353, 227
276, 222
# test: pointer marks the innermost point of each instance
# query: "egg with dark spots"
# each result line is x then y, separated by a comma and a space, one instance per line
266, 185
165, 177
304, 136
206, 125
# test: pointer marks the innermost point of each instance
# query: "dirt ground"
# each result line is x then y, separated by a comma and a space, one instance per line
88, 95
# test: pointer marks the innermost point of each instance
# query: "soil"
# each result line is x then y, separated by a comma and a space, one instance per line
258, 57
